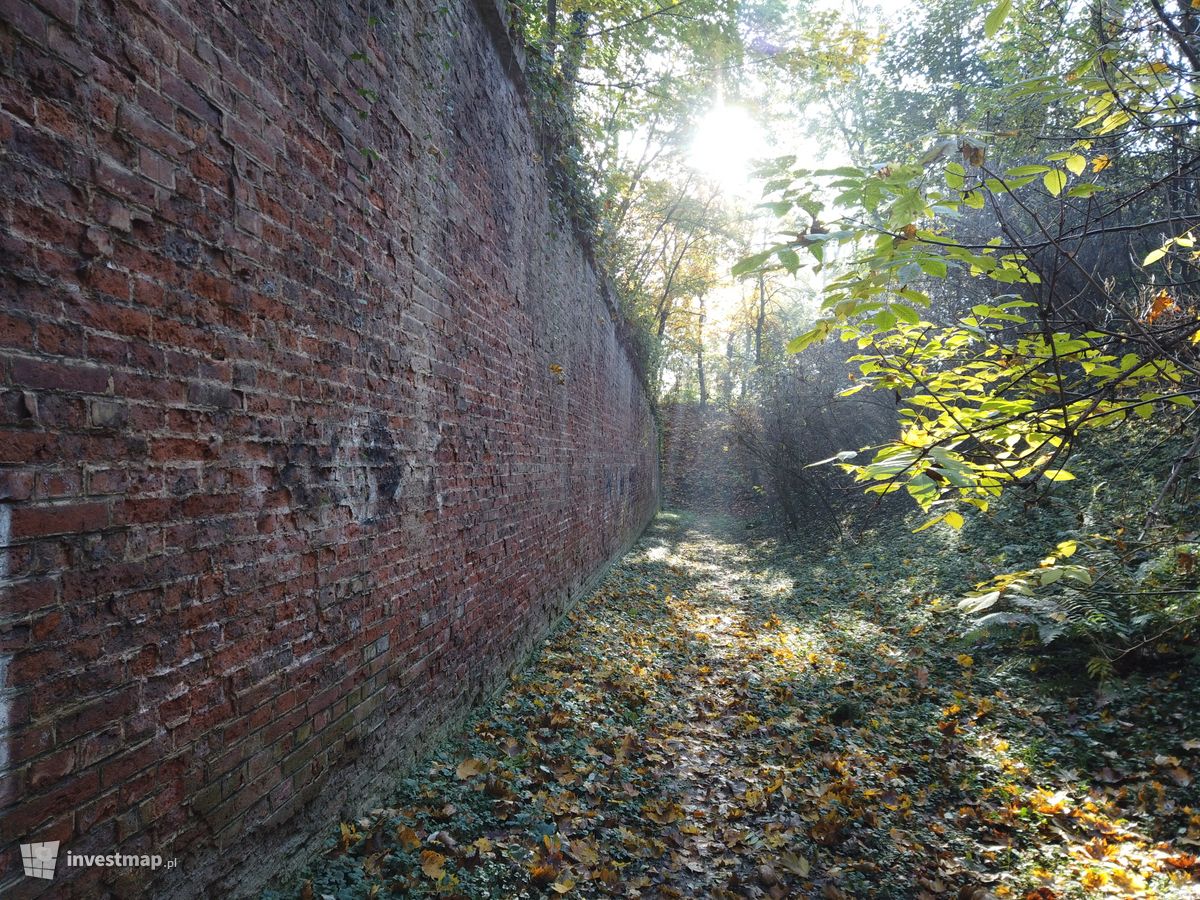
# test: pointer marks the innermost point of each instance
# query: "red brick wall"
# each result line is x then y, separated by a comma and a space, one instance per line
288, 470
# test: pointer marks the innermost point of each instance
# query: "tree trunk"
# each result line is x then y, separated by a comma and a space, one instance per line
759, 322
727, 379
700, 356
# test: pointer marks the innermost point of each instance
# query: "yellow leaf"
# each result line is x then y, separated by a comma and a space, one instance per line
469, 768
1055, 180
795, 863
1101, 162
563, 885
1093, 879
1050, 804
954, 520
1059, 475
1076, 163
432, 864
929, 524
965, 661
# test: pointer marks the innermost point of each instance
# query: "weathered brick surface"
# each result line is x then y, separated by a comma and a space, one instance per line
288, 471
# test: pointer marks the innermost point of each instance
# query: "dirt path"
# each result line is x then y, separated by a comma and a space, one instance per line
734, 718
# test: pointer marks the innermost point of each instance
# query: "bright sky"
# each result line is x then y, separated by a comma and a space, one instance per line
729, 137
727, 140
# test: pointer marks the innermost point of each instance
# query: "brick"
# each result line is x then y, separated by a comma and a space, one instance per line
77, 518
51, 769
66, 11
27, 19
107, 481
16, 484
203, 394
156, 167
137, 124
60, 375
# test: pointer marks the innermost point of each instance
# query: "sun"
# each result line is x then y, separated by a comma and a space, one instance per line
727, 141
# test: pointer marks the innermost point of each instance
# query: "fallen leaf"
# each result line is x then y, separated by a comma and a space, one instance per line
408, 838
469, 768
432, 864
795, 863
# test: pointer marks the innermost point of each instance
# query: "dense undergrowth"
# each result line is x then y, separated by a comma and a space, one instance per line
1079, 576
736, 716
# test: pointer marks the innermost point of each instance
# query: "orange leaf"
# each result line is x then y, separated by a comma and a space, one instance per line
408, 838
1161, 305
1180, 776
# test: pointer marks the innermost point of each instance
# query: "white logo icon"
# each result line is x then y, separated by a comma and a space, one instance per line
39, 859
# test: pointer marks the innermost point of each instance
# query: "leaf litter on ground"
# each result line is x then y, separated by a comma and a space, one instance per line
728, 717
